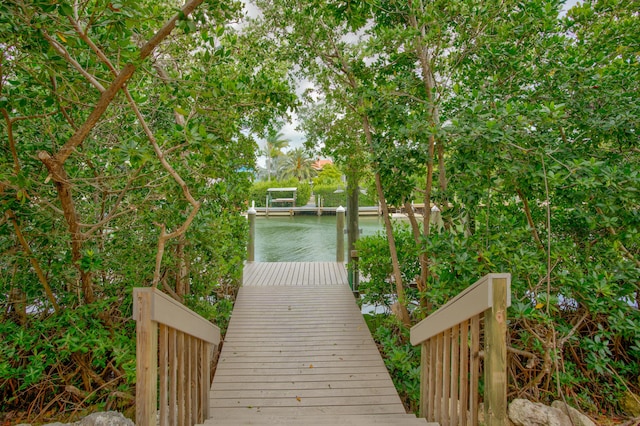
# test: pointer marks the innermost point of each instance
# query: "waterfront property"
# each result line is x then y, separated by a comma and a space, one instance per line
312, 209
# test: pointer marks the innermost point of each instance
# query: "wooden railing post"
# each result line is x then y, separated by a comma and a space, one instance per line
146, 361
251, 247
340, 234
424, 379
495, 369
184, 351
450, 360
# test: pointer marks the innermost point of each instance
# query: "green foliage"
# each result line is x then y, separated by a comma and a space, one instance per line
331, 198
39, 358
258, 192
590, 307
303, 194
375, 266
400, 357
92, 225
329, 175
534, 124
297, 164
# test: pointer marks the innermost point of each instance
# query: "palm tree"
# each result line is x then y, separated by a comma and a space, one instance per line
273, 149
298, 164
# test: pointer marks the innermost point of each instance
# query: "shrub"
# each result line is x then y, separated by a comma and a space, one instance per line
258, 192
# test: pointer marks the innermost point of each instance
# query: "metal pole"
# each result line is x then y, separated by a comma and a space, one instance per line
251, 215
340, 234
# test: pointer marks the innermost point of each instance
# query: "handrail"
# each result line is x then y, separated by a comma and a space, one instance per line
178, 344
451, 340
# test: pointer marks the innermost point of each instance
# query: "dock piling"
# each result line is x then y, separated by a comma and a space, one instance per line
340, 234
251, 215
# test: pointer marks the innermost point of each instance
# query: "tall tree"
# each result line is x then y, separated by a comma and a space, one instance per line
534, 120
273, 147
298, 164
314, 37
106, 185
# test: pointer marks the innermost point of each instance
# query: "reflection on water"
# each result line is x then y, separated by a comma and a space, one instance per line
303, 238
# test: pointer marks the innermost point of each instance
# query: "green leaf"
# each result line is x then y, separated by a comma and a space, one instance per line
65, 9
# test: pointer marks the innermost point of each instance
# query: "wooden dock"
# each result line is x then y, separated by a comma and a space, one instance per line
319, 211
298, 352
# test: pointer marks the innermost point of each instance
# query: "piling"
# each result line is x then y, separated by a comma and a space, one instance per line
340, 234
251, 245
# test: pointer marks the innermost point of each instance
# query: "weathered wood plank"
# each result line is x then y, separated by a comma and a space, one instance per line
446, 371
241, 358
166, 310
372, 385
305, 364
292, 373
146, 359
181, 378
297, 344
495, 367
163, 370
301, 393
355, 349
455, 378
309, 411
173, 377
294, 273
474, 369
297, 401
464, 371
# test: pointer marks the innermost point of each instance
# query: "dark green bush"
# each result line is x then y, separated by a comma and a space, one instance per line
335, 199
258, 192
591, 304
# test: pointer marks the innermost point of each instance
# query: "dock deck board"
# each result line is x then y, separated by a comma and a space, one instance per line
297, 344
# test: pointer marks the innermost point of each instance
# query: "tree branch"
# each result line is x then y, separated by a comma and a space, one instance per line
65, 54
34, 262
123, 76
12, 142
624, 250
527, 213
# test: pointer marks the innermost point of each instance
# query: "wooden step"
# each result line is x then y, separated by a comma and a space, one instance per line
319, 420
298, 352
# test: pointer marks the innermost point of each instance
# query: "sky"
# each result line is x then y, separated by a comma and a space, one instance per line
289, 131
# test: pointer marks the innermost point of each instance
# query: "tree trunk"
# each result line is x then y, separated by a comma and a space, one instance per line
429, 83
18, 303
55, 163
421, 280
401, 312
63, 187
353, 225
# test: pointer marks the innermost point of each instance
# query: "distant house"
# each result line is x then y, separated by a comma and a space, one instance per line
319, 164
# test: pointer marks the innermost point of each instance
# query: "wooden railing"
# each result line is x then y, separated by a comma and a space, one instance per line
453, 340
174, 349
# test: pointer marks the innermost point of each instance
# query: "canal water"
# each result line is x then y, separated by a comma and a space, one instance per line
303, 238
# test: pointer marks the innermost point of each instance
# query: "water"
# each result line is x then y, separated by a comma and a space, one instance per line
303, 238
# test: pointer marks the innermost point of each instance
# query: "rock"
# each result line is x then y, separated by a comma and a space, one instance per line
481, 421
577, 417
107, 418
527, 413
630, 403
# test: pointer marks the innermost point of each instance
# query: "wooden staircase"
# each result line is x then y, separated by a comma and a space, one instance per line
321, 420
298, 352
